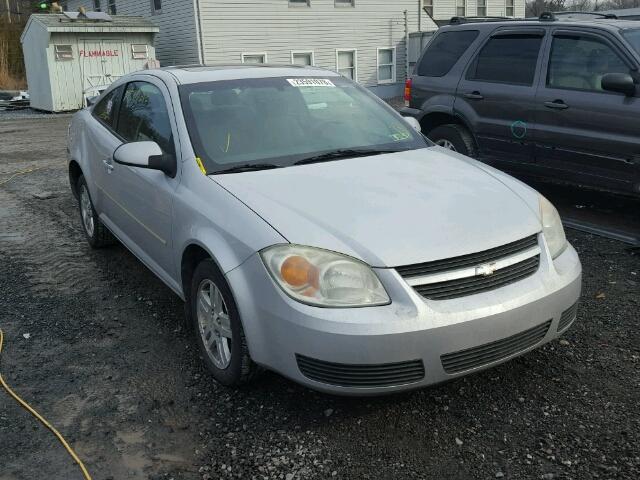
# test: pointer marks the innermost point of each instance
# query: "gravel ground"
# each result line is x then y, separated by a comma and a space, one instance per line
96, 344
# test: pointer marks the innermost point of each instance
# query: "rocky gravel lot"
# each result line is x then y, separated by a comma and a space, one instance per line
96, 344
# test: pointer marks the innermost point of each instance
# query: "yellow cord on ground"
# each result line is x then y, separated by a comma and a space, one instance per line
22, 172
27, 407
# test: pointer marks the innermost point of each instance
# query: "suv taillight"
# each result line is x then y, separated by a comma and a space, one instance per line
407, 92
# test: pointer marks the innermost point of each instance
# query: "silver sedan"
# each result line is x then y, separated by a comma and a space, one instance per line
313, 231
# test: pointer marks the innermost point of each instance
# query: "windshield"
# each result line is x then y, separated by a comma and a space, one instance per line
282, 121
633, 37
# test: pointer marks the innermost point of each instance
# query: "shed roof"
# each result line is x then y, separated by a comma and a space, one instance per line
121, 23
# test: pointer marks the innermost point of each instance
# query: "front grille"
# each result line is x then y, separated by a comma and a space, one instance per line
470, 285
470, 260
491, 352
358, 375
568, 316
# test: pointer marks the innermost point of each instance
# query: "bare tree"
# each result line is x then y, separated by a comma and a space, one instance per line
535, 7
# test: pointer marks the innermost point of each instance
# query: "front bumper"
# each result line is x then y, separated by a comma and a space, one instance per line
489, 327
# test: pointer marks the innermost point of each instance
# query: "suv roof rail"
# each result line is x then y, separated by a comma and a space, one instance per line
597, 14
460, 20
552, 16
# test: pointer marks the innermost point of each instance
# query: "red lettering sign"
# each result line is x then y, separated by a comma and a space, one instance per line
99, 53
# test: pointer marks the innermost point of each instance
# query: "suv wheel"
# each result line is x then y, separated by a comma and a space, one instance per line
218, 328
94, 230
454, 137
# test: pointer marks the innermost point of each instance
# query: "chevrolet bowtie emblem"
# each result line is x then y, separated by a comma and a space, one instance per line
486, 269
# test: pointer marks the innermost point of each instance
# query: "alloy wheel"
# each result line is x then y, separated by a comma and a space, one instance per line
214, 324
444, 143
86, 211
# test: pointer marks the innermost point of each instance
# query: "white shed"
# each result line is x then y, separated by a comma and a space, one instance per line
68, 55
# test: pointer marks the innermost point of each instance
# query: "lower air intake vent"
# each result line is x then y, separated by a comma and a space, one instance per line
491, 352
363, 376
568, 316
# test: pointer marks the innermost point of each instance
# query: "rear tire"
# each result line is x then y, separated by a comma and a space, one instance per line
454, 137
94, 230
217, 327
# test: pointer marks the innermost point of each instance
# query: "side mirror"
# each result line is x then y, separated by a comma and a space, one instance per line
620, 83
413, 123
145, 155
90, 101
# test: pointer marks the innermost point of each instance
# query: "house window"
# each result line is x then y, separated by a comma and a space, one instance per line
510, 8
299, 3
63, 52
139, 52
482, 8
254, 58
302, 58
156, 6
111, 7
428, 7
345, 3
96, 6
346, 63
386, 65
461, 8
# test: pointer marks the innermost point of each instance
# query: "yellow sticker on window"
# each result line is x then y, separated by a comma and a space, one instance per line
199, 162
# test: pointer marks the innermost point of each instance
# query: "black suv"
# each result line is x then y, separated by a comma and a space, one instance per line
555, 97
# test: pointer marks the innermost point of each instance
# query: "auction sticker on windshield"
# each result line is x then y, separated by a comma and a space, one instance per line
310, 82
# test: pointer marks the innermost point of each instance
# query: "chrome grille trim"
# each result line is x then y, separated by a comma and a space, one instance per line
476, 272
469, 260
475, 357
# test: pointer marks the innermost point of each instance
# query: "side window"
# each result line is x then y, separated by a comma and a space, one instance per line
507, 59
444, 51
144, 117
579, 63
105, 109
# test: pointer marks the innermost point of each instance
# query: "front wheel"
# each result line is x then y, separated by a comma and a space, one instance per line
454, 137
218, 328
94, 230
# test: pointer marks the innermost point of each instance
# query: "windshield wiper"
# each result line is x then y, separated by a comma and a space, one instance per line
249, 167
343, 153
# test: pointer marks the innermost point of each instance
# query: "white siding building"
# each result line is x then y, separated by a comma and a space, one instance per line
363, 39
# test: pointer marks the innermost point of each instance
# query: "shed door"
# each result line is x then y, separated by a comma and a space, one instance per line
102, 62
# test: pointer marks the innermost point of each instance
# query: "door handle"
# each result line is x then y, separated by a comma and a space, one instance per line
556, 104
475, 95
108, 166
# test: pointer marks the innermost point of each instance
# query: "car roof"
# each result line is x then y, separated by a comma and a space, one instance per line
560, 21
187, 74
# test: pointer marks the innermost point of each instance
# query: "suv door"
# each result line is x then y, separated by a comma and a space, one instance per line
144, 197
586, 134
496, 95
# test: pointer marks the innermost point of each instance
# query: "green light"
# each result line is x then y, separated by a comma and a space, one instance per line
43, 5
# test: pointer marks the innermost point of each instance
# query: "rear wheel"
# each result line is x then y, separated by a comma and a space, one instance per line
218, 328
94, 230
454, 137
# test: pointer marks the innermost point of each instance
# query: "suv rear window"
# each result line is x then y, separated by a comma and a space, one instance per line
507, 59
444, 51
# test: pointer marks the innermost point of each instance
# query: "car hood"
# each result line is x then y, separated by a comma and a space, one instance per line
390, 210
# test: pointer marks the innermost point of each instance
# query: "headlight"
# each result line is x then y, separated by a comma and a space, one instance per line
324, 278
552, 228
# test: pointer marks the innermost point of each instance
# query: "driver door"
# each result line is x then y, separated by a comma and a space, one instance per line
143, 198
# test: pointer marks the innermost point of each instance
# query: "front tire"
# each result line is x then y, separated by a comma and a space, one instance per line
217, 326
454, 137
94, 230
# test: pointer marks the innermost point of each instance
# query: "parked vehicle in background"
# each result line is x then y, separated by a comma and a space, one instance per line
314, 231
555, 97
